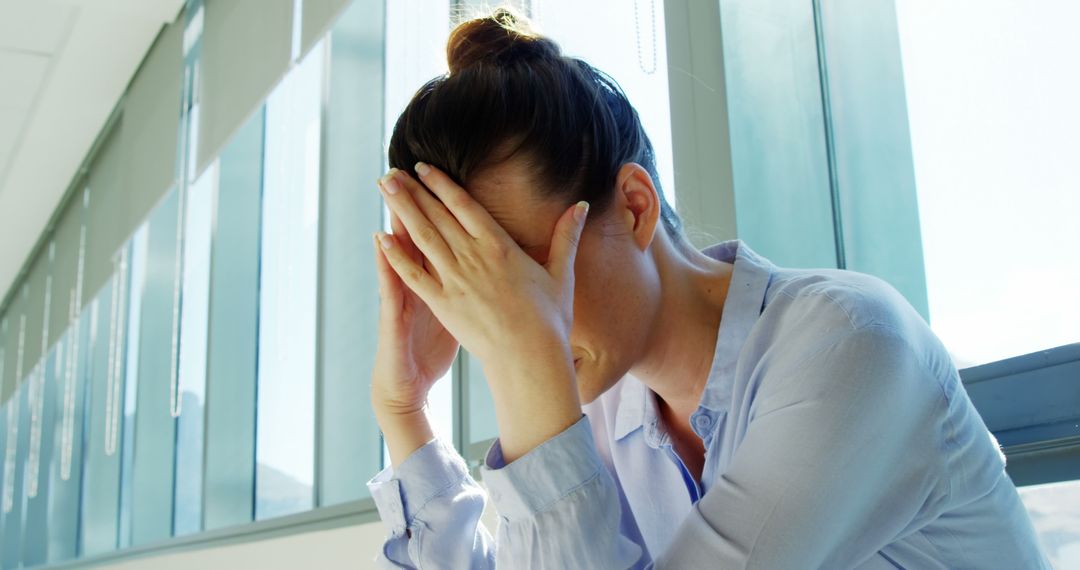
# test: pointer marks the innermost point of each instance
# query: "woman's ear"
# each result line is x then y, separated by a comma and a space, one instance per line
640, 204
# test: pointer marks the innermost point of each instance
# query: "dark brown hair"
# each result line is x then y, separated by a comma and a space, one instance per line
510, 92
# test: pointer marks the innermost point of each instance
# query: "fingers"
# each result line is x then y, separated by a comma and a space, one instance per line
403, 237
423, 233
390, 284
472, 216
410, 249
390, 292
412, 274
449, 226
564, 242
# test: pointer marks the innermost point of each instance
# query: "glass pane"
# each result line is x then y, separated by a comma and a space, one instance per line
152, 471
193, 346
482, 423
229, 488
4, 404
778, 151
1055, 512
64, 469
136, 283
101, 469
991, 94
416, 32
14, 476
35, 544
415, 53
285, 432
3, 450
349, 442
874, 178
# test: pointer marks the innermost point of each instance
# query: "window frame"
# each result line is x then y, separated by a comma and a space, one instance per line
1024, 401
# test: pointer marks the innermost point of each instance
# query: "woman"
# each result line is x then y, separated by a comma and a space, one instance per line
657, 405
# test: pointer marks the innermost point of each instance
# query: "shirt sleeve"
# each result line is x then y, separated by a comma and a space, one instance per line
558, 506
431, 508
836, 462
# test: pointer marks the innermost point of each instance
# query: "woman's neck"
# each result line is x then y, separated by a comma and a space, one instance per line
680, 353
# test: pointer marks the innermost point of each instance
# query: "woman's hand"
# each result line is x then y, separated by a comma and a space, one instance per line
506, 309
414, 351
414, 348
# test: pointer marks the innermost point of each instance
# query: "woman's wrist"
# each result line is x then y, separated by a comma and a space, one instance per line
403, 431
533, 402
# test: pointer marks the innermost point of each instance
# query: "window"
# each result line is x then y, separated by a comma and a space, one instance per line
193, 348
153, 471
991, 100
1055, 511
18, 423
216, 444
993, 126
285, 440
137, 280
35, 545
415, 51
631, 47
65, 473
348, 439
229, 486
101, 469
16, 445
274, 335
779, 159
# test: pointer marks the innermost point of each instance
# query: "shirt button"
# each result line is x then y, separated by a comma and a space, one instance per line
702, 422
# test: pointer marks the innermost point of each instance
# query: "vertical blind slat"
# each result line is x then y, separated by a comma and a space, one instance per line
246, 46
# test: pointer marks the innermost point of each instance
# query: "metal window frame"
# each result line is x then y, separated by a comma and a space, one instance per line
1031, 403
700, 129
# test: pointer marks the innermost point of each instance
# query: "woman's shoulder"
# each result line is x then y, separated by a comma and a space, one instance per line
817, 307
857, 298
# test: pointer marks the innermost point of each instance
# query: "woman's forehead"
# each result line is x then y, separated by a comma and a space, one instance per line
506, 192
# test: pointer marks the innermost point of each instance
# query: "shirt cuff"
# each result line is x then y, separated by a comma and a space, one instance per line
545, 474
425, 474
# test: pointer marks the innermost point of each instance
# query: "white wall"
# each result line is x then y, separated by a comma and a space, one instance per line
345, 547
352, 547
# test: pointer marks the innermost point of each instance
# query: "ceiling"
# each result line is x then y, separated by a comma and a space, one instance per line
63, 66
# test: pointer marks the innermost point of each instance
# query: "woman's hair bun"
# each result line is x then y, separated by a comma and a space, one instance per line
503, 38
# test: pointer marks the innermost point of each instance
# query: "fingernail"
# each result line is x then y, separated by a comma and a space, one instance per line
422, 169
580, 211
389, 184
385, 240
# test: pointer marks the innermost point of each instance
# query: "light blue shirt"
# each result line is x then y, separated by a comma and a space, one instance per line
837, 435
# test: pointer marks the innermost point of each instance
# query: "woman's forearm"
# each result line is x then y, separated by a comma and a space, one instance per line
533, 401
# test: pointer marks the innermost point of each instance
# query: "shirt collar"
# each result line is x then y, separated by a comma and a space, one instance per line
750, 278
